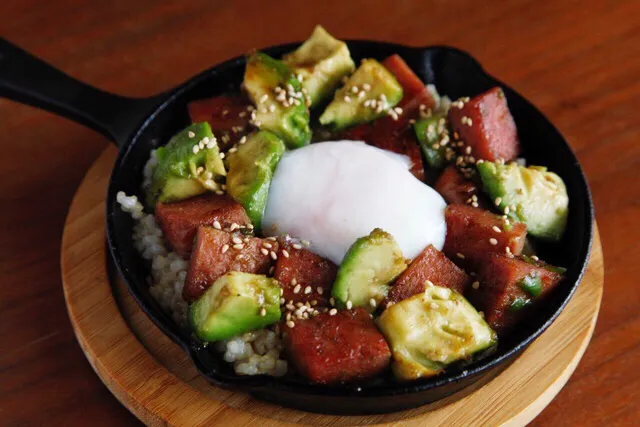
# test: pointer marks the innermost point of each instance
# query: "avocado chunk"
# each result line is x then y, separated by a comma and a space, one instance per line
281, 106
236, 303
251, 169
187, 166
430, 330
539, 197
368, 94
368, 267
320, 63
433, 138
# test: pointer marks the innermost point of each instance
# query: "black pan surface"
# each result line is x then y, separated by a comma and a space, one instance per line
139, 125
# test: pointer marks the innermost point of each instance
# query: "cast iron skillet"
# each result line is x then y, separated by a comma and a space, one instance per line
138, 125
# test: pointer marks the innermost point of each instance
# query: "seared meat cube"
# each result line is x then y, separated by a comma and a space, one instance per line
473, 234
216, 252
304, 276
179, 221
485, 124
345, 346
508, 286
431, 265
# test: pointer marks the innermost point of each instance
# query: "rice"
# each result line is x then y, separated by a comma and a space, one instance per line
252, 353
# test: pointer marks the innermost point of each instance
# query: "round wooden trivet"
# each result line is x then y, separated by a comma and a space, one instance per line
155, 380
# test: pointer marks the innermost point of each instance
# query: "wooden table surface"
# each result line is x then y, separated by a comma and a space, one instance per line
578, 61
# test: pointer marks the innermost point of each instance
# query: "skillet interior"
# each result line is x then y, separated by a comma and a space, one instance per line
455, 74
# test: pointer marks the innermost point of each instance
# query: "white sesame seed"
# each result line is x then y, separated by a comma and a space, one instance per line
263, 312
493, 241
507, 210
282, 301
285, 253
349, 305
263, 98
273, 239
347, 99
475, 285
459, 255
498, 201
429, 283
195, 149
398, 110
294, 281
535, 258
191, 134
238, 246
372, 302
234, 226
290, 324
267, 245
274, 256
319, 290
225, 248
307, 290
296, 289
236, 239
297, 246
496, 229
216, 225
222, 155
361, 94
264, 251
333, 312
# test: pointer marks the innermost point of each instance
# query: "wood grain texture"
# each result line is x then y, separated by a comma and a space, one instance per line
578, 61
156, 380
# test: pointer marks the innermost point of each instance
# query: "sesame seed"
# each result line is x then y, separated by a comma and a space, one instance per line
290, 324
459, 255
263, 312
222, 155
333, 312
294, 281
282, 300
319, 290
429, 283
314, 302
296, 289
398, 110
297, 246
496, 229
273, 239
467, 150
195, 149
347, 99
299, 304
267, 245
498, 201
274, 256
366, 86
361, 94
535, 258
349, 305
225, 248
285, 253
243, 140
233, 149
332, 301
475, 285
216, 225
236, 239
372, 302
306, 242
263, 98
507, 210
307, 290
493, 241
238, 246
191, 134
234, 226
264, 251
355, 89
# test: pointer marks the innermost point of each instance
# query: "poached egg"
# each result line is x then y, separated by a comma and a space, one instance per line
331, 193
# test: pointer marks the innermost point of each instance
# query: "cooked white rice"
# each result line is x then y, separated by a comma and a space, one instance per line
253, 353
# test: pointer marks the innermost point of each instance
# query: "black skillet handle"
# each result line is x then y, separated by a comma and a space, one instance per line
29, 80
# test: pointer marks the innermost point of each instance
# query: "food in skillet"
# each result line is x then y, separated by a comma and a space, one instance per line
333, 259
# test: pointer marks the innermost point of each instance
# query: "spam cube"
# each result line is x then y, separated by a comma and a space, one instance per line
509, 286
431, 265
331, 349
216, 252
179, 221
455, 188
227, 115
304, 276
474, 233
485, 124
415, 93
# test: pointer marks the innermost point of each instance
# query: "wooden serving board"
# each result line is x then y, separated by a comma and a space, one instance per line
155, 380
